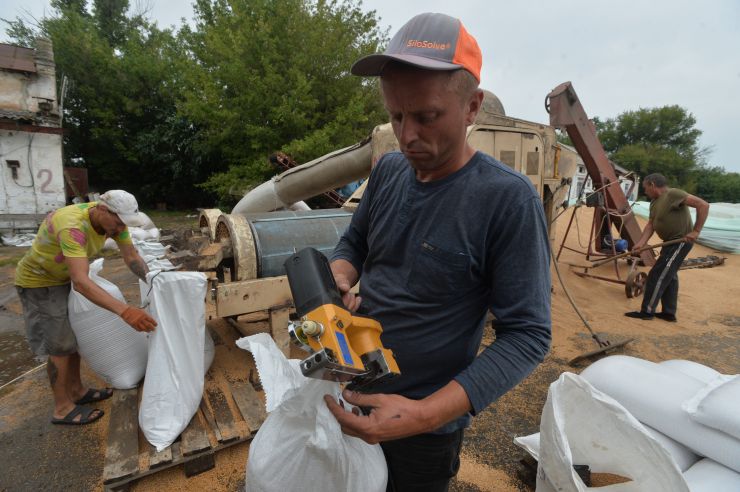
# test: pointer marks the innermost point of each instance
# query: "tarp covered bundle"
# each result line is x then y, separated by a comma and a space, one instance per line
721, 230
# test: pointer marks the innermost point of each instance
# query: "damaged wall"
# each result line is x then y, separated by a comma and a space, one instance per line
31, 168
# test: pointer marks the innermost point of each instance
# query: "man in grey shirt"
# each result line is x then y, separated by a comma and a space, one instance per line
443, 234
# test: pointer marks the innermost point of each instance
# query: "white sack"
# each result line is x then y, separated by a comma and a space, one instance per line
19, 240
710, 476
698, 371
209, 352
150, 249
682, 456
582, 426
173, 386
717, 405
300, 446
530, 443
113, 349
148, 224
110, 244
654, 394
138, 234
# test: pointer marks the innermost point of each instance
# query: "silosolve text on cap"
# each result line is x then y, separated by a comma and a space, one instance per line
429, 41
123, 204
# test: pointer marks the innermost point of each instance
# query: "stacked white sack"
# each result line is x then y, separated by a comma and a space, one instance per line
693, 369
681, 455
114, 350
300, 446
709, 476
173, 386
654, 394
583, 426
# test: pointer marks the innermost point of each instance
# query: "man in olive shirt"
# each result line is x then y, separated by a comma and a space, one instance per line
670, 218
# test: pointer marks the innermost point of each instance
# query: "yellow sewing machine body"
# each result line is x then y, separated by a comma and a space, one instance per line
344, 347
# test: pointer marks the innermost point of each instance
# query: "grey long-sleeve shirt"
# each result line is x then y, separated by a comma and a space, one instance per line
434, 257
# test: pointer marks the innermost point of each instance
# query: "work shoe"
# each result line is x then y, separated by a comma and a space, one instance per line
666, 317
639, 315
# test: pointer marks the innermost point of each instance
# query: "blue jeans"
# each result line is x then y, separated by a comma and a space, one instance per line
425, 463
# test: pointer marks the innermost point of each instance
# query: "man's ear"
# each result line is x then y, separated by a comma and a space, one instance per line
473, 106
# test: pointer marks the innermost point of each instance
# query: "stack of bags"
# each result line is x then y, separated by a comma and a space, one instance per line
677, 422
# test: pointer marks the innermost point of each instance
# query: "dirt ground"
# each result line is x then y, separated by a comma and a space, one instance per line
39, 456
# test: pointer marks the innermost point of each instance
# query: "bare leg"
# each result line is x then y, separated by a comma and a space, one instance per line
75, 390
58, 368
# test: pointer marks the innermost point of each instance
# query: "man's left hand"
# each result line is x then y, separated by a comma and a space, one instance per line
391, 417
691, 236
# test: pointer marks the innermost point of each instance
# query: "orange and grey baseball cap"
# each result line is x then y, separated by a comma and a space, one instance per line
429, 41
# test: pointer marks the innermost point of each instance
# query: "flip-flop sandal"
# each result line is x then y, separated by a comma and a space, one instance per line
83, 412
89, 397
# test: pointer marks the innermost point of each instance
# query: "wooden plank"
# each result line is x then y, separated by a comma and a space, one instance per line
161, 458
279, 329
249, 403
194, 438
221, 411
235, 298
122, 453
199, 464
210, 420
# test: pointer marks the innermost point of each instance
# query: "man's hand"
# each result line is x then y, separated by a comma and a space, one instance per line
391, 417
351, 301
138, 319
345, 277
691, 236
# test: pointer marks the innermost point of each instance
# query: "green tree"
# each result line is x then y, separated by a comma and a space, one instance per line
111, 21
714, 184
120, 111
650, 140
267, 76
665, 140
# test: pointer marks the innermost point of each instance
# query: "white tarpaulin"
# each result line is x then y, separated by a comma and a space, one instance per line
721, 230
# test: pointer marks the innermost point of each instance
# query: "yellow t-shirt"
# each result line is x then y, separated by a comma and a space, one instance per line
66, 232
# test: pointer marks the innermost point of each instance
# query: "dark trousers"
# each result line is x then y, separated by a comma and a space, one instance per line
662, 281
426, 462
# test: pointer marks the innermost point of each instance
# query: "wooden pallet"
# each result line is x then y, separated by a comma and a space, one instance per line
230, 412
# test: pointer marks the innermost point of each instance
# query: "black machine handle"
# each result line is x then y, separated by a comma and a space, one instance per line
311, 281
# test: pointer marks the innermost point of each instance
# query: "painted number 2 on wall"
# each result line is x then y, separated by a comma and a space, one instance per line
46, 175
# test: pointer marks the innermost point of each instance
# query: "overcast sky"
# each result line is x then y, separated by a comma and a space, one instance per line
619, 55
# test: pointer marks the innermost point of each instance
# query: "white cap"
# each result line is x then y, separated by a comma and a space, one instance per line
123, 204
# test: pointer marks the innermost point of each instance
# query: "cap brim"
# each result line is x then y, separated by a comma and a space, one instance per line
133, 220
372, 65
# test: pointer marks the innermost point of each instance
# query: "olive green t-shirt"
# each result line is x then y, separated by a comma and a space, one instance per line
670, 215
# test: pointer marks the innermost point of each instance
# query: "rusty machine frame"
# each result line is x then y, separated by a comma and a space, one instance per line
611, 208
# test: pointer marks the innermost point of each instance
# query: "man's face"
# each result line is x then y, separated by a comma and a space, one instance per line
111, 223
429, 120
650, 190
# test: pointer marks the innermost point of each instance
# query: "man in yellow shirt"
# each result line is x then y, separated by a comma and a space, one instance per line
60, 254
